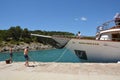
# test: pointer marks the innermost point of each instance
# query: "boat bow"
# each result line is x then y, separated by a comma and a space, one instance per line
58, 42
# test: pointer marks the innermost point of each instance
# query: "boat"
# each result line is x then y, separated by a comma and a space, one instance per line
105, 48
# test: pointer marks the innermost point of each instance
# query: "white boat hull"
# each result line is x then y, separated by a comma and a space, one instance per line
95, 51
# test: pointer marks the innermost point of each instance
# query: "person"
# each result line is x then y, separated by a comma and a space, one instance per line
79, 35
100, 28
26, 56
117, 19
11, 54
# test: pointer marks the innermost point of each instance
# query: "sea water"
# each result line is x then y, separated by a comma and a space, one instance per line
52, 55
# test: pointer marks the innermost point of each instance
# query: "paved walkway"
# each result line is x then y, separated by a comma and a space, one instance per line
60, 71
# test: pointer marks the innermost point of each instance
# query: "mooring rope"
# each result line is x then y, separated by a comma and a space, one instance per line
61, 55
58, 59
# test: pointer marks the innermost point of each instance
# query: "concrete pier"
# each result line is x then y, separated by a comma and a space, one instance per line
60, 71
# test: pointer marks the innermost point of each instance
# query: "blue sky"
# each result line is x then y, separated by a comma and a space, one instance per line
58, 15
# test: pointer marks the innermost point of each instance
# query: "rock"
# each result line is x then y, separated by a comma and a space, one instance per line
22, 46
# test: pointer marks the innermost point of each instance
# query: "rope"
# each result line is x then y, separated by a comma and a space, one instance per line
32, 59
52, 61
61, 55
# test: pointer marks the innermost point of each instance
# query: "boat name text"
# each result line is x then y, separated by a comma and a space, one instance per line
88, 43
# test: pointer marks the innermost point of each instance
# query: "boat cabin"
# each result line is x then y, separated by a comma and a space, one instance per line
108, 31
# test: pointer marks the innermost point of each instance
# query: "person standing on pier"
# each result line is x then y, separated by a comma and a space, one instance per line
26, 56
79, 35
11, 54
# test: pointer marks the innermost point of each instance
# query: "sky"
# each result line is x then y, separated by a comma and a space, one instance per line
57, 15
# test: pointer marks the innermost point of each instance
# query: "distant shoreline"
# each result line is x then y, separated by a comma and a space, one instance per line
17, 48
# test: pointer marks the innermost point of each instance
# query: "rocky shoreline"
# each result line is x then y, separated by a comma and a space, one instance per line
22, 46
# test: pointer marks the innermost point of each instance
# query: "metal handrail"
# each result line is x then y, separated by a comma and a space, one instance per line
107, 25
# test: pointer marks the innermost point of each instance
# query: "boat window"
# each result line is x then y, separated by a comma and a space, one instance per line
81, 54
116, 37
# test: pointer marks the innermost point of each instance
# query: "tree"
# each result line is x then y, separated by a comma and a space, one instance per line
15, 33
3, 35
26, 35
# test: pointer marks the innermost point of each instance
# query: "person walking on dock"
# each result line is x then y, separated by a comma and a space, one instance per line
26, 56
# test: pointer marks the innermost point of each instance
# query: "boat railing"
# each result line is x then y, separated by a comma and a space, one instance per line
108, 25
64, 36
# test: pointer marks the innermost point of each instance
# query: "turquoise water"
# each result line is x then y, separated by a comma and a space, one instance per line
53, 55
